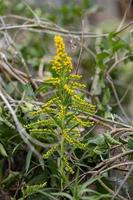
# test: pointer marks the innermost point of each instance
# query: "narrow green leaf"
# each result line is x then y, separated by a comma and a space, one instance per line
63, 194
3, 151
28, 160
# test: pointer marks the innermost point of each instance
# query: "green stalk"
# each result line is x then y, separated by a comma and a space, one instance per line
62, 163
62, 142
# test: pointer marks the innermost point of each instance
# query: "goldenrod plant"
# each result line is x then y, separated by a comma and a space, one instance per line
65, 115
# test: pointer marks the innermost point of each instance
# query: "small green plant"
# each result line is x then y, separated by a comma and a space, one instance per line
63, 116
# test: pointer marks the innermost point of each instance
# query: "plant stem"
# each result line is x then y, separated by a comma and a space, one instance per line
62, 163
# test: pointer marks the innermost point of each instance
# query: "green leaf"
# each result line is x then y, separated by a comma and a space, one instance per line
3, 151
119, 45
115, 43
42, 88
48, 195
11, 178
28, 90
102, 56
97, 197
100, 59
63, 194
31, 189
130, 143
28, 107
106, 97
99, 150
28, 160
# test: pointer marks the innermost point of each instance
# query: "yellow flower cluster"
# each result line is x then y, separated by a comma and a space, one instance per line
53, 81
76, 85
46, 107
83, 105
76, 97
62, 112
83, 123
76, 134
68, 167
40, 130
74, 141
59, 43
44, 122
50, 152
50, 102
62, 62
40, 133
75, 76
43, 110
87, 108
68, 89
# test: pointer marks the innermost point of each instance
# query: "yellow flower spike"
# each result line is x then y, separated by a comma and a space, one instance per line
73, 141
75, 76
76, 97
83, 123
67, 166
42, 111
76, 85
53, 81
59, 42
77, 135
50, 152
50, 102
68, 138
43, 122
82, 105
61, 61
39, 130
62, 112
68, 89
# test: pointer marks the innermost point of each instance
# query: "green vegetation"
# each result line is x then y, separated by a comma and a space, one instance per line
66, 116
